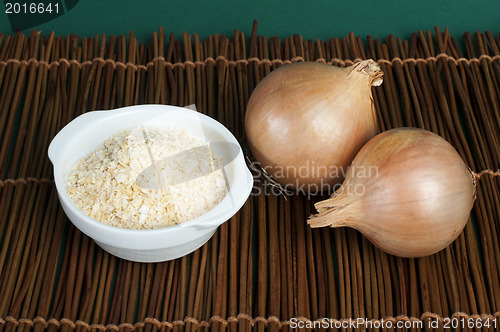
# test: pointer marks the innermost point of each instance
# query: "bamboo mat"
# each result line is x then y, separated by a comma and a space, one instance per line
265, 266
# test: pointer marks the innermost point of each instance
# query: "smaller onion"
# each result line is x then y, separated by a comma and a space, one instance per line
408, 191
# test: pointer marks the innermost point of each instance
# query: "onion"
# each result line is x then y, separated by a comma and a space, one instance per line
306, 121
408, 191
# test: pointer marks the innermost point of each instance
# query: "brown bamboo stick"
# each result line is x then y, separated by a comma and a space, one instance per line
157, 291
311, 266
197, 310
27, 260
245, 248
48, 285
275, 272
168, 291
29, 306
191, 286
8, 267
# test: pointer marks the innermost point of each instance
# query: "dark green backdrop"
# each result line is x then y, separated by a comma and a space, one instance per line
311, 19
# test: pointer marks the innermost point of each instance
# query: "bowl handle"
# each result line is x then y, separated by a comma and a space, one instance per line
205, 225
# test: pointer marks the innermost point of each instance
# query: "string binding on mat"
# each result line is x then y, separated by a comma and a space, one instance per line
486, 171
222, 321
224, 60
25, 181
4, 182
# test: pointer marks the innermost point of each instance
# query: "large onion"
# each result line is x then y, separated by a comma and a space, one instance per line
306, 121
408, 191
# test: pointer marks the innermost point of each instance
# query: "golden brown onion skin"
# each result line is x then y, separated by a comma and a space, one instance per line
306, 121
417, 202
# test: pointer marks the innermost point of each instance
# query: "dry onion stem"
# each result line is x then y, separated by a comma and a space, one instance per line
408, 191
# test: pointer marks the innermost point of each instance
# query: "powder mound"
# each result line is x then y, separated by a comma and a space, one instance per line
105, 185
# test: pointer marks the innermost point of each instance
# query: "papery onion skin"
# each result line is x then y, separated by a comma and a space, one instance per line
306, 121
418, 202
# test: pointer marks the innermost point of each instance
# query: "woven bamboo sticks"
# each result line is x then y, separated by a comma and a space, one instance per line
265, 266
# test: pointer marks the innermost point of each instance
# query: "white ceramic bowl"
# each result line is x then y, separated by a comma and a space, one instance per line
85, 133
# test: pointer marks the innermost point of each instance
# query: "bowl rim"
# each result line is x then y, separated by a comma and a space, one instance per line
199, 222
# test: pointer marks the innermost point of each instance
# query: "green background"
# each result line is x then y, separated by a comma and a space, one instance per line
311, 19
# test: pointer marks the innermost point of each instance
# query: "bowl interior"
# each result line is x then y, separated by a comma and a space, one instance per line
84, 134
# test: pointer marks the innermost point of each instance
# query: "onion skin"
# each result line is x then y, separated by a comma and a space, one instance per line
418, 202
306, 116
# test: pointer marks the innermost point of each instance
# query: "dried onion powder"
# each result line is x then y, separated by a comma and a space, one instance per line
104, 184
